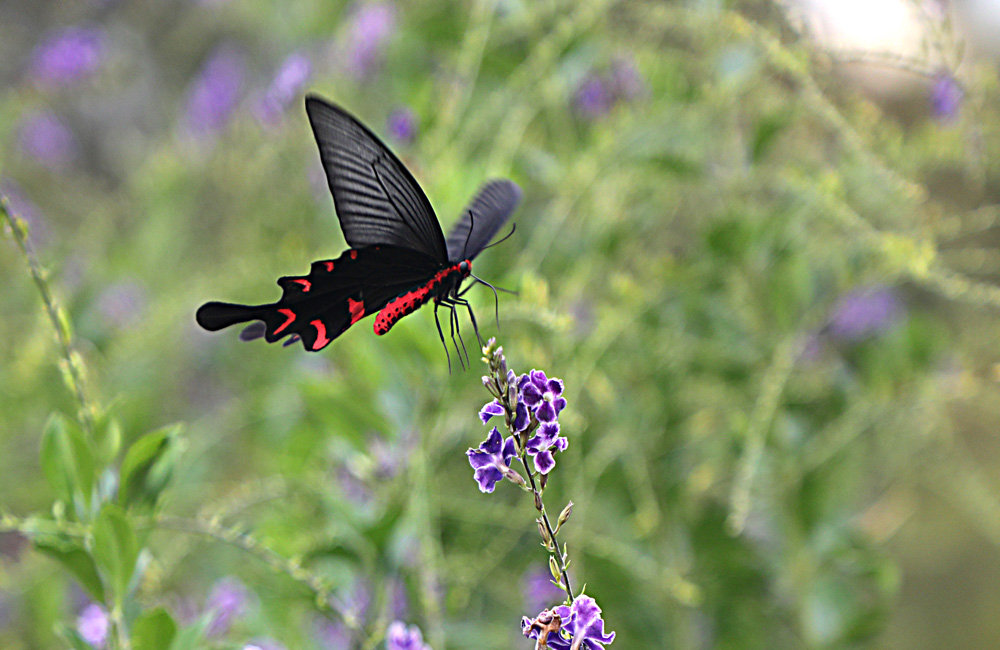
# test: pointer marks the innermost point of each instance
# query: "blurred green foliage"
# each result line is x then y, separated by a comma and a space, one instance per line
743, 478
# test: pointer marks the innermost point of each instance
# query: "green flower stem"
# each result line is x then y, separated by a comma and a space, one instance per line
540, 506
72, 361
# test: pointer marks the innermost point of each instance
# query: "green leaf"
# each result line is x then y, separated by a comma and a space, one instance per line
70, 553
148, 467
189, 637
153, 630
115, 548
67, 462
72, 638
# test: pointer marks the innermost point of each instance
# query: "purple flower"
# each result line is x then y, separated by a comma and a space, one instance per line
121, 304
491, 409
227, 601
946, 97
593, 97
864, 312
402, 125
576, 626
284, 89
538, 589
371, 25
491, 460
399, 637
625, 81
47, 139
540, 446
92, 624
67, 56
216, 91
332, 635
543, 396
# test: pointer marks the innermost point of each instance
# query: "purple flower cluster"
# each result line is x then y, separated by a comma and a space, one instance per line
865, 312
67, 56
400, 637
227, 601
286, 86
598, 92
402, 125
46, 138
576, 626
946, 97
370, 27
216, 91
92, 624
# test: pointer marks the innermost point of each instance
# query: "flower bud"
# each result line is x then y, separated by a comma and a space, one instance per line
564, 515
554, 569
546, 538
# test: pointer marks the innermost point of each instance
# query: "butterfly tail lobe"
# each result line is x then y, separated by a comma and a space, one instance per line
215, 316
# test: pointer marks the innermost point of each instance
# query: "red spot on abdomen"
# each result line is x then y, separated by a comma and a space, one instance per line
329, 267
291, 318
306, 284
354, 255
321, 339
357, 309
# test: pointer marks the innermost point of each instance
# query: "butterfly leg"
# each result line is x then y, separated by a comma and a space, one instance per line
472, 317
451, 302
437, 321
455, 328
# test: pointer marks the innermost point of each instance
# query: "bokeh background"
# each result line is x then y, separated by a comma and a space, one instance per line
757, 243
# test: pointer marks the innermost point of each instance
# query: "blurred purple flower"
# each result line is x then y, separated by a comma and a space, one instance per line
24, 208
121, 304
227, 601
358, 599
538, 589
543, 396
399, 602
67, 56
491, 460
216, 91
541, 445
593, 97
47, 139
865, 312
92, 624
626, 82
371, 26
402, 125
946, 97
332, 635
399, 637
581, 624
286, 86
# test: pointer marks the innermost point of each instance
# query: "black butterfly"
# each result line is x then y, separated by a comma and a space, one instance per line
399, 258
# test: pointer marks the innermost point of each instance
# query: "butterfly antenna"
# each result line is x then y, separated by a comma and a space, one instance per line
513, 227
472, 224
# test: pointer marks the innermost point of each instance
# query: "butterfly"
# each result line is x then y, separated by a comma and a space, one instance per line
398, 258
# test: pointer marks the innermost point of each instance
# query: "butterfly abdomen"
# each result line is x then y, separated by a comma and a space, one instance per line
410, 301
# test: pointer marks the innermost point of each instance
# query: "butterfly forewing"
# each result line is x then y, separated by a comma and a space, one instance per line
490, 208
377, 199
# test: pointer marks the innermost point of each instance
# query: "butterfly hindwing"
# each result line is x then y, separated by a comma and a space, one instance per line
377, 199
489, 209
320, 306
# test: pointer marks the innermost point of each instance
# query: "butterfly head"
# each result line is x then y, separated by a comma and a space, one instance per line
465, 267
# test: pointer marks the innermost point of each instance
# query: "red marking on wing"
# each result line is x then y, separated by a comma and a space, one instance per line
354, 255
357, 309
306, 284
291, 318
408, 302
321, 339
329, 267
